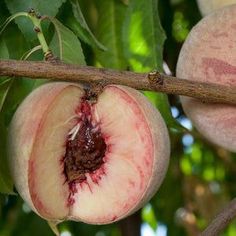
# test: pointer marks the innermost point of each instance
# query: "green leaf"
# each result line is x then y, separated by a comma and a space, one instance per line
50, 8
143, 35
19, 89
10, 19
15, 41
109, 32
144, 38
148, 215
160, 100
6, 184
79, 26
30, 52
3, 49
3, 12
4, 88
66, 45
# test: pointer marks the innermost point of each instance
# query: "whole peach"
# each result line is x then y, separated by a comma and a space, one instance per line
209, 55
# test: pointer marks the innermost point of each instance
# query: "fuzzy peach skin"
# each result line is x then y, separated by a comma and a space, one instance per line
135, 161
209, 55
208, 6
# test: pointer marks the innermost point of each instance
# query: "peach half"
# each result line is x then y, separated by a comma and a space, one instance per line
96, 162
209, 55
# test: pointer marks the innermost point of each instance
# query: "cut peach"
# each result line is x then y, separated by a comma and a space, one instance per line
95, 162
209, 55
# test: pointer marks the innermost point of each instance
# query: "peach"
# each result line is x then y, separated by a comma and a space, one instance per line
209, 55
93, 161
208, 6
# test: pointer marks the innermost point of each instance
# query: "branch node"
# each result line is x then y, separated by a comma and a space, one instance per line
48, 56
31, 11
95, 90
155, 78
37, 29
38, 16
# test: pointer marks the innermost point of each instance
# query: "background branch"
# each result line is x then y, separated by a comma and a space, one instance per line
205, 92
221, 220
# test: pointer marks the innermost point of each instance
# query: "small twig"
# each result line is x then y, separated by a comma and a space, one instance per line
221, 220
36, 20
205, 92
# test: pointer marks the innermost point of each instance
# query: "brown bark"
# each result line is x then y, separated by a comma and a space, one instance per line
205, 92
221, 220
131, 226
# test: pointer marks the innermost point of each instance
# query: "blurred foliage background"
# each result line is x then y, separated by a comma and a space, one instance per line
127, 35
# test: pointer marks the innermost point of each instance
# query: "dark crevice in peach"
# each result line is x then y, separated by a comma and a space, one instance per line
84, 151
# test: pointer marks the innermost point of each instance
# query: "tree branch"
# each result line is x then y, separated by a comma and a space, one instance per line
221, 220
205, 92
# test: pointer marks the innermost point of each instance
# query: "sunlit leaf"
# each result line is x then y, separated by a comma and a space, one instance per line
196, 154
180, 27
209, 173
144, 39
144, 36
149, 217
231, 231
109, 33
185, 165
